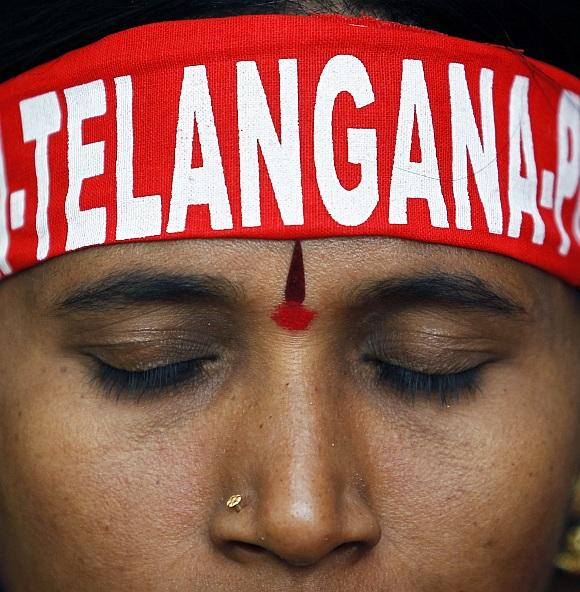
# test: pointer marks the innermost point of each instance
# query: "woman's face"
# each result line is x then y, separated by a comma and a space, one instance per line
143, 385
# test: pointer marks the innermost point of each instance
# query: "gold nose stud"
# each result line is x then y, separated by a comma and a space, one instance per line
235, 503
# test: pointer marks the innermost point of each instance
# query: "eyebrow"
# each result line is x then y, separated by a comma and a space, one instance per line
141, 287
465, 291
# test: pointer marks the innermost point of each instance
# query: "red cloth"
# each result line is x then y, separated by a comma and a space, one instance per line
291, 127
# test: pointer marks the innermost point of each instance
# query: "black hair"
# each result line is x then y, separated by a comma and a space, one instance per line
33, 32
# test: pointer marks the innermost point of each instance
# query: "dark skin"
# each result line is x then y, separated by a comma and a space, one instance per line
346, 483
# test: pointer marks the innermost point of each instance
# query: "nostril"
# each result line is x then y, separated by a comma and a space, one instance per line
244, 551
250, 548
352, 550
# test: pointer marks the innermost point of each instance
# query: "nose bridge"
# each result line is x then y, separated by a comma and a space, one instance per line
297, 466
294, 399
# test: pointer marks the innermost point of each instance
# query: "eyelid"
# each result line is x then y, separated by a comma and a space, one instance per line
144, 355
445, 354
434, 331
189, 329
451, 367
428, 359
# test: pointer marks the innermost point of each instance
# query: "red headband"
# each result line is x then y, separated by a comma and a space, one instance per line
291, 127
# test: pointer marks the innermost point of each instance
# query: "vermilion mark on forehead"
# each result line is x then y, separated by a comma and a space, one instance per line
292, 314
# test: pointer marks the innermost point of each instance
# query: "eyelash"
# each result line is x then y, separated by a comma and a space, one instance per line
138, 385
412, 384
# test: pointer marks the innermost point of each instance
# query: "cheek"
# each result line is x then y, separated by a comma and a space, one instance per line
94, 490
480, 491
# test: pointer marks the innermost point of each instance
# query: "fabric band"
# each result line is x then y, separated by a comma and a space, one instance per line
291, 127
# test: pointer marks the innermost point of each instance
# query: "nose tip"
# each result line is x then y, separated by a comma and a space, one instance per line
297, 533
303, 535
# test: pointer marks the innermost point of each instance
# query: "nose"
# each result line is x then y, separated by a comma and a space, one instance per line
309, 518
302, 499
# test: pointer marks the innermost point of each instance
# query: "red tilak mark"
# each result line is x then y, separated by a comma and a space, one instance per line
292, 314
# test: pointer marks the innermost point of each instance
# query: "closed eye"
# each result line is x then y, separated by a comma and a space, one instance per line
152, 382
413, 384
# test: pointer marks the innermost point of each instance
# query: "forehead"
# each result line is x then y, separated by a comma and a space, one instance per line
332, 266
